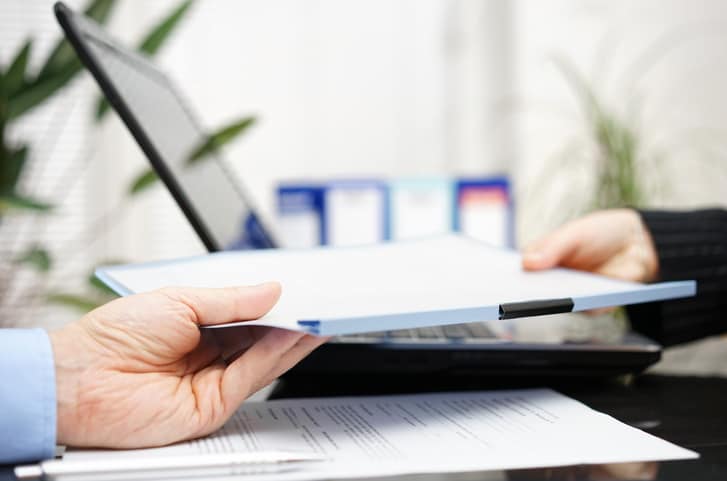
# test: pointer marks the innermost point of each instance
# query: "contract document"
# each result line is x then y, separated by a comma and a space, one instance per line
425, 433
398, 285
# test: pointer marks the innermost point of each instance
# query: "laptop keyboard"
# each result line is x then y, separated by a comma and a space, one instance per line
471, 332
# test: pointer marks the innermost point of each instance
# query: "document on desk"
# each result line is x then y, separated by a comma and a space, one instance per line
398, 285
425, 433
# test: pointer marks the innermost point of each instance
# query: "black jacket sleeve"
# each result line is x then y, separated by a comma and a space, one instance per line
690, 245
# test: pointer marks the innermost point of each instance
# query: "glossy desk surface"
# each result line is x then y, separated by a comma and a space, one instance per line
689, 411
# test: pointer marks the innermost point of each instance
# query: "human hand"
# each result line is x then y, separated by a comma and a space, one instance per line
614, 243
138, 371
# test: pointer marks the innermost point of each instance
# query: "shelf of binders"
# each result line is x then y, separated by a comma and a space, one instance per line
365, 211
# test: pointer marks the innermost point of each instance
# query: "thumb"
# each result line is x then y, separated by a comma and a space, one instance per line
552, 250
227, 304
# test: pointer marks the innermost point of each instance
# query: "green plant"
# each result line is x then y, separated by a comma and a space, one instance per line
615, 148
21, 91
617, 157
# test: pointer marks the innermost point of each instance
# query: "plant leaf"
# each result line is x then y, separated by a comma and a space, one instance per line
3, 93
143, 181
11, 168
218, 139
102, 108
153, 41
35, 257
38, 92
74, 301
15, 75
13, 201
63, 57
59, 68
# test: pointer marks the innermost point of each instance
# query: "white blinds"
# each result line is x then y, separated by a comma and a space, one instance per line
57, 135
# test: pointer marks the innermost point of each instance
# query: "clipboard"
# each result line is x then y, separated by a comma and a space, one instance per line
442, 280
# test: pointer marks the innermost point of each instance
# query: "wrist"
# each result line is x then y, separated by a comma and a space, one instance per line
68, 363
644, 248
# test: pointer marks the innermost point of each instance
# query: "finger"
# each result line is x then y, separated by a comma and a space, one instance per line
248, 370
297, 353
600, 311
229, 304
233, 341
206, 352
556, 248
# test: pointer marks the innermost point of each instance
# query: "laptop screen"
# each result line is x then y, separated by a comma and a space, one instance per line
211, 198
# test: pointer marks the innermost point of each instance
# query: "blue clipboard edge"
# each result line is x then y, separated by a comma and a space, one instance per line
390, 322
103, 274
649, 293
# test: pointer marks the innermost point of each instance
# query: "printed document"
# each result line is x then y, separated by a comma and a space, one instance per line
426, 433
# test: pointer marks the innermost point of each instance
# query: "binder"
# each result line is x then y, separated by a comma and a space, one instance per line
300, 214
420, 207
396, 285
355, 212
485, 210
340, 212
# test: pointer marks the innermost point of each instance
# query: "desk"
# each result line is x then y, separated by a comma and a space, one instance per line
689, 411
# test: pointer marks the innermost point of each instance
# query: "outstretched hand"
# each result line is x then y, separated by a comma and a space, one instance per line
138, 371
614, 243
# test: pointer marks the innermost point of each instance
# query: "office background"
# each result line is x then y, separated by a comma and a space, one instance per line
362, 88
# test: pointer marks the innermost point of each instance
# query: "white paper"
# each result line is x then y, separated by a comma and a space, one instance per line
427, 433
405, 284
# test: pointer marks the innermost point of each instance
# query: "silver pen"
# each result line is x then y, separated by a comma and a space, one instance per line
224, 464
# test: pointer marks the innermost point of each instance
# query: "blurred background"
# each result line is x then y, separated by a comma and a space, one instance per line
580, 104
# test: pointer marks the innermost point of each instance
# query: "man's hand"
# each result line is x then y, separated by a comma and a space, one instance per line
614, 243
139, 372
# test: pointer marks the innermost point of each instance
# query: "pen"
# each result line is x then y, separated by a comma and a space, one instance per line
170, 466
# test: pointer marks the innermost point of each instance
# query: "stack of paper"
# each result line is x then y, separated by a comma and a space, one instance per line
426, 433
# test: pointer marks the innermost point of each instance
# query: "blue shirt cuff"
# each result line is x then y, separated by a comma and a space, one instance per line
27, 396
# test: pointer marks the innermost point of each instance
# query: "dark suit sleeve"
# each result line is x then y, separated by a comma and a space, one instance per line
690, 245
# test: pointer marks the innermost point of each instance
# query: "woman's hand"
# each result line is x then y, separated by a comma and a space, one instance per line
614, 243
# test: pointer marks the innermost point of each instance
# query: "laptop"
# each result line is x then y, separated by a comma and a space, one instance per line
222, 214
